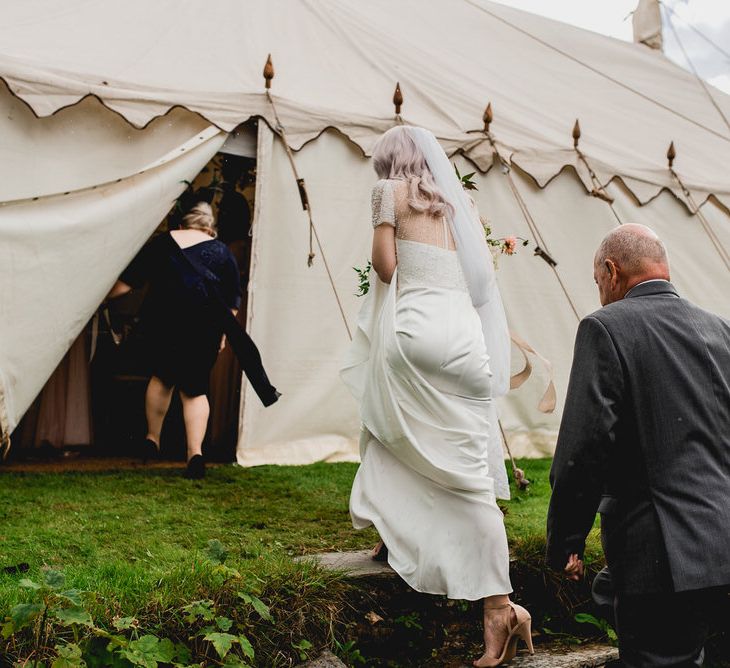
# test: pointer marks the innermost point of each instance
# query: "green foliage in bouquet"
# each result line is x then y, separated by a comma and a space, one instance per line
363, 279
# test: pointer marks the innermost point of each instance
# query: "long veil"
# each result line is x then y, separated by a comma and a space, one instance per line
475, 259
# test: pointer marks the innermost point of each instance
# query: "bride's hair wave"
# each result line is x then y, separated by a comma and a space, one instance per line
396, 156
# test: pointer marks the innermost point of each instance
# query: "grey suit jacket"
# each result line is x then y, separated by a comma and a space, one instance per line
645, 441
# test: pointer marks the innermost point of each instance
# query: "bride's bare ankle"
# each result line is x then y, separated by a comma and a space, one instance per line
498, 602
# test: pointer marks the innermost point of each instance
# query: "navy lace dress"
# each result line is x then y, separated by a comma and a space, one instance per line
180, 327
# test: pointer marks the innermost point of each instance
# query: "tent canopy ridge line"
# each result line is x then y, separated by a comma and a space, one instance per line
84, 84
612, 175
93, 96
661, 183
513, 159
514, 156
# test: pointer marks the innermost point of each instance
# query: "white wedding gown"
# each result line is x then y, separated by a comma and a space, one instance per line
419, 368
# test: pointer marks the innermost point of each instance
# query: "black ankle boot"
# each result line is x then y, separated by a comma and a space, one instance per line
196, 468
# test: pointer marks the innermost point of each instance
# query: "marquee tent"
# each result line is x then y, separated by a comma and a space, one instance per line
108, 107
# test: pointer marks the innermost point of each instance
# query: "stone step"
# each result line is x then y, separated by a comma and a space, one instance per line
558, 656
554, 656
324, 660
357, 563
380, 580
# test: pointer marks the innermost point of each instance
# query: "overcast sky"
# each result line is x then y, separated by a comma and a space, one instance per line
611, 17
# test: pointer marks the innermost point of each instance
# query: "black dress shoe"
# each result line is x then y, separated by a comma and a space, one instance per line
149, 450
196, 468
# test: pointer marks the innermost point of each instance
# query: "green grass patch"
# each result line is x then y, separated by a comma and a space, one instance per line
137, 539
136, 535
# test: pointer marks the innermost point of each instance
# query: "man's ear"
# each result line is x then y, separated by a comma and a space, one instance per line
612, 269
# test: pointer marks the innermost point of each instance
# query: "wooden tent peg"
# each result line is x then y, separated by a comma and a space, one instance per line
671, 154
487, 117
397, 98
268, 71
576, 133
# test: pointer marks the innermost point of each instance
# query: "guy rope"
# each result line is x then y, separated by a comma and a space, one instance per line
598, 189
542, 249
695, 209
303, 194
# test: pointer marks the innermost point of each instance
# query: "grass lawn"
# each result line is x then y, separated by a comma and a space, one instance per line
138, 538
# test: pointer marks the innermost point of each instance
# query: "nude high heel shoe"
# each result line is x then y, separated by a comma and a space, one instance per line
522, 630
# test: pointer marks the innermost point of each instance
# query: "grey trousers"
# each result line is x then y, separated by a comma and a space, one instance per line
665, 630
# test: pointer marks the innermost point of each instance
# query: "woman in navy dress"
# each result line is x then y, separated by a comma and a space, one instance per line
181, 324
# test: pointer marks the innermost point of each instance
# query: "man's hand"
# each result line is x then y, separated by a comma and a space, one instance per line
574, 568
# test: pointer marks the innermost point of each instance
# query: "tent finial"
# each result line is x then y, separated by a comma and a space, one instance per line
397, 98
576, 133
671, 154
487, 117
268, 71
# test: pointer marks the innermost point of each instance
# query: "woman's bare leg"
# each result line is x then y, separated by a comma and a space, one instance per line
380, 552
195, 414
156, 403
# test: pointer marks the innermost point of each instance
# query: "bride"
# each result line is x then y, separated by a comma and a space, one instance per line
419, 368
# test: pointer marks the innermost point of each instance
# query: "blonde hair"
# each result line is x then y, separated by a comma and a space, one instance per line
200, 217
396, 156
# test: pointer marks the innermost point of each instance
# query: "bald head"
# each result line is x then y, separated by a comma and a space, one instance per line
636, 248
627, 256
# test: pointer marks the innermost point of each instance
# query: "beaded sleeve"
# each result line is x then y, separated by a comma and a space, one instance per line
383, 203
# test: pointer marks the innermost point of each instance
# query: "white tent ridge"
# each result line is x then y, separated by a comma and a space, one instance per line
100, 93
336, 66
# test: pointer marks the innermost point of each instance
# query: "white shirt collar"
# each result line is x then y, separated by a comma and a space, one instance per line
651, 280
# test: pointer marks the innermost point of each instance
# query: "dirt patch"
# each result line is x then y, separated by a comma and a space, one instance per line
80, 463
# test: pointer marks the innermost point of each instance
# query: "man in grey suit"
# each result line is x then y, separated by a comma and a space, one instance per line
645, 441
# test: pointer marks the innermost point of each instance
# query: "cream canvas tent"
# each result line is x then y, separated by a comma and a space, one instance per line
110, 106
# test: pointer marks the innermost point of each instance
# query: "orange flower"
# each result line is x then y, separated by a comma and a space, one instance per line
510, 245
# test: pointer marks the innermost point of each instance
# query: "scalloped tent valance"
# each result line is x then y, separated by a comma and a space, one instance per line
337, 62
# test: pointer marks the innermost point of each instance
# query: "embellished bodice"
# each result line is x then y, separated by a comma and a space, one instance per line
424, 245
426, 266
